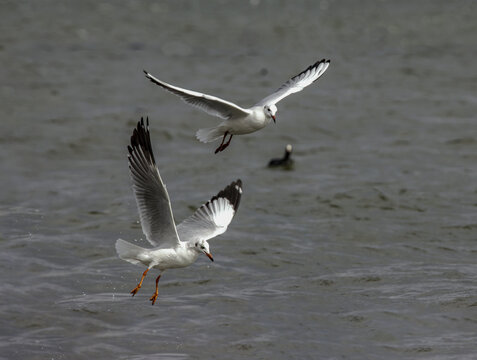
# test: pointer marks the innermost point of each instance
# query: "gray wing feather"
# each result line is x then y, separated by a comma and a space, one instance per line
212, 218
208, 103
152, 199
297, 83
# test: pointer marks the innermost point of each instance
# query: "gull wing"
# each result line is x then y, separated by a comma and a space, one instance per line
208, 103
152, 198
212, 218
297, 83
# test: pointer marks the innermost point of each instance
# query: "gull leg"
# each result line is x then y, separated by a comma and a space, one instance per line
223, 147
154, 296
220, 148
136, 289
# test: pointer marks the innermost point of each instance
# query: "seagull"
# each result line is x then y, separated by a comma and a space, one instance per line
238, 120
285, 162
173, 246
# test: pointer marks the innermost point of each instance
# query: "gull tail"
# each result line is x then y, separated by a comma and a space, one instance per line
210, 134
129, 252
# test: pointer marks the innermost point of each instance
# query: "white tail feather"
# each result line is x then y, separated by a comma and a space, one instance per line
129, 252
210, 134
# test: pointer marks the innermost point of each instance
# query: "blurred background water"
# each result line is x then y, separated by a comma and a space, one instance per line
366, 250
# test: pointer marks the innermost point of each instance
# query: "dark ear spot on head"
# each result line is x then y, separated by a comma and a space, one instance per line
196, 244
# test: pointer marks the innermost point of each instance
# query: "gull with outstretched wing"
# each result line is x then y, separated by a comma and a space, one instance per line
238, 120
173, 246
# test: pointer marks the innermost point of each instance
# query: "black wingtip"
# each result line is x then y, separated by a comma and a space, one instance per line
148, 76
232, 193
310, 68
318, 63
141, 138
321, 61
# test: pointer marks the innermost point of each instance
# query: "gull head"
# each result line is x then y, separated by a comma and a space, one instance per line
270, 111
202, 246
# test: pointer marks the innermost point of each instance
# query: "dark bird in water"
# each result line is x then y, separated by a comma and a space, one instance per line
285, 162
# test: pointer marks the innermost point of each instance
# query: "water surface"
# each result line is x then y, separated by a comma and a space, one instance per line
366, 250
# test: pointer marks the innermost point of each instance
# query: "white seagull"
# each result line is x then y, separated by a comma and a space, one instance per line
238, 120
174, 246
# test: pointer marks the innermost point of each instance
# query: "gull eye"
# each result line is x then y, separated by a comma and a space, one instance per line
202, 247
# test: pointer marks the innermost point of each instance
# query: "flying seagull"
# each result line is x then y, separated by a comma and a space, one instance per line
238, 120
173, 246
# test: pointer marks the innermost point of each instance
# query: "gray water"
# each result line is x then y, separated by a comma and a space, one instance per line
365, 250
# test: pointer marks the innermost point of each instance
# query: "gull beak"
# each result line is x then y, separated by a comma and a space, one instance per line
209, 255
274, 119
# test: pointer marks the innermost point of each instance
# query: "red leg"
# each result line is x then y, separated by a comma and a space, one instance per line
227, 144
136, 289
222, 144
154, 296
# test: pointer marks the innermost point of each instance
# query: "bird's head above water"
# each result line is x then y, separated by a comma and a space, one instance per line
270, 111
202, 246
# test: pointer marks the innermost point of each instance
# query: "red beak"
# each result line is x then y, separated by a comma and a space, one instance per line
209, 255
274, 119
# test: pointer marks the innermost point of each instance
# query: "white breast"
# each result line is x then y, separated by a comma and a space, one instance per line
251, 123
173, 258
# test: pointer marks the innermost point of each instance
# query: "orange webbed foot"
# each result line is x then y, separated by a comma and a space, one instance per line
153, 298
135, 290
